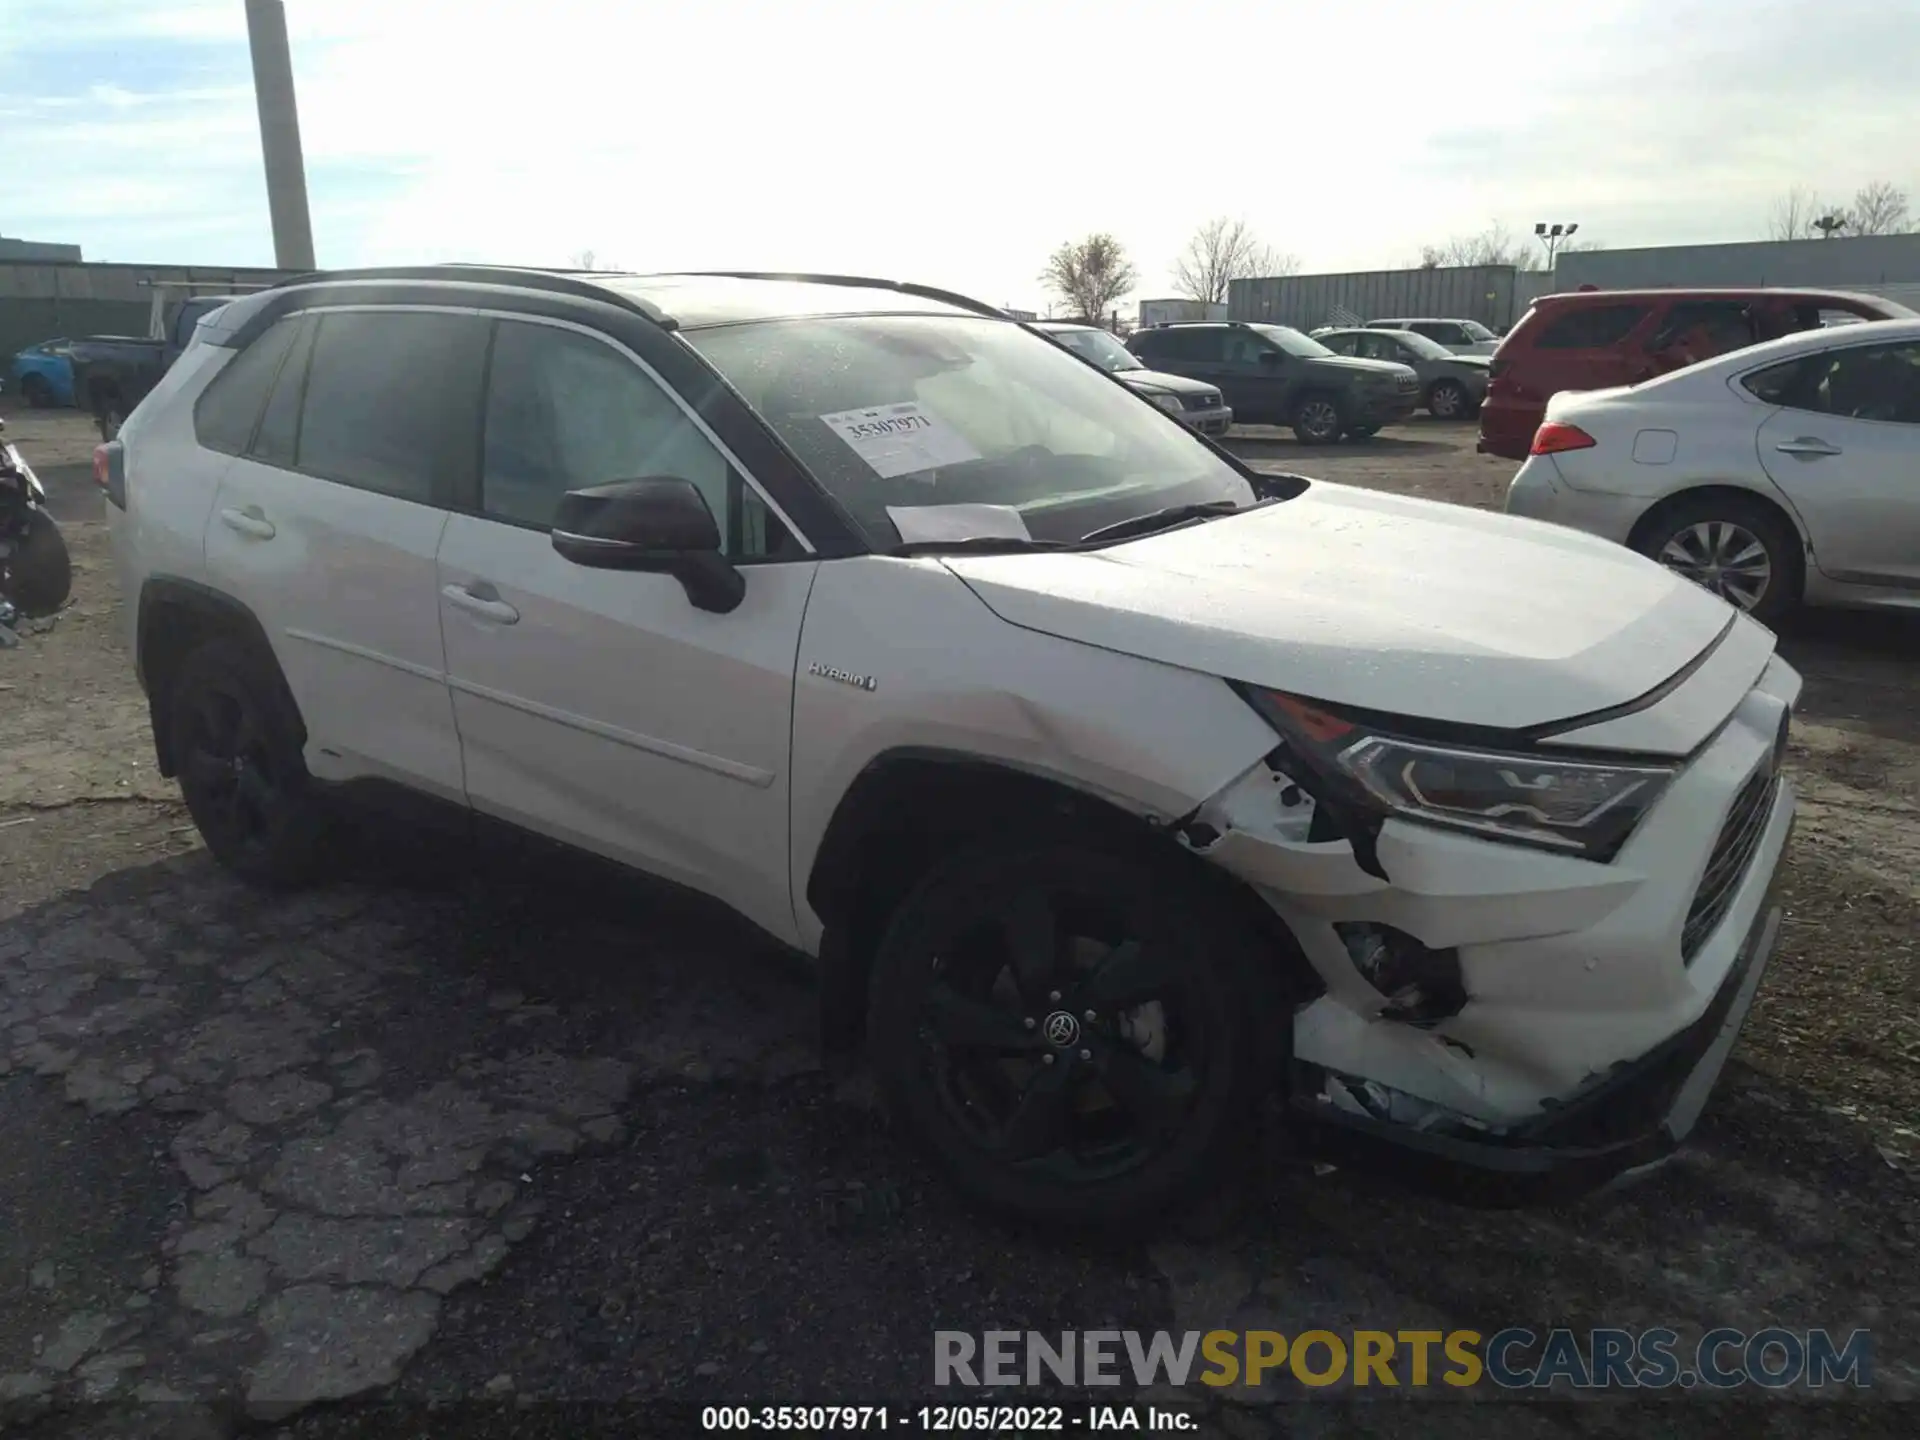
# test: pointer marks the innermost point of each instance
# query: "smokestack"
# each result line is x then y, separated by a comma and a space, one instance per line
280, 135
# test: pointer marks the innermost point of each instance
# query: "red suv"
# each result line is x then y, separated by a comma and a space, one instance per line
1593, 339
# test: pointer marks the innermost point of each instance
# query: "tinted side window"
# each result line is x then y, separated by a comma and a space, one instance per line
1778, 384
392, 401
1344, 344
224, 416
566, 411
1439, 331
1868, 382
1591, 327
1240, 347
279, 432
1709, 327
1196, 344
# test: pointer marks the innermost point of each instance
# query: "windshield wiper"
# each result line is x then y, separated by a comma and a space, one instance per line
1165, 519
977, 545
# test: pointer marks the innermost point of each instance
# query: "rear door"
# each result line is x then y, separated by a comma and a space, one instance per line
1845, 447
327, 527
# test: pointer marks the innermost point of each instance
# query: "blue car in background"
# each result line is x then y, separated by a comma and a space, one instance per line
42, 374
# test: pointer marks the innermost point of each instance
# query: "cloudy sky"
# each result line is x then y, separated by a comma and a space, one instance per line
957, 145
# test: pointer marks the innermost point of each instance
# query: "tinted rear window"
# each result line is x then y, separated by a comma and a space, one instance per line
393, 400
1591, 327
225, 415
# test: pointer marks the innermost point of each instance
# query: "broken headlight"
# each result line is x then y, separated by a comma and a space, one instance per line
1577, 807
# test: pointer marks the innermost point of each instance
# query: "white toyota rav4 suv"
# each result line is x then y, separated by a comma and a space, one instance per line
1113, 786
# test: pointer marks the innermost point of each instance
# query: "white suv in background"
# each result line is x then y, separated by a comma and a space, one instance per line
1110, 783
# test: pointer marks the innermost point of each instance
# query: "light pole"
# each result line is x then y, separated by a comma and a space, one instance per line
280, 135
1827, 225
1551, 236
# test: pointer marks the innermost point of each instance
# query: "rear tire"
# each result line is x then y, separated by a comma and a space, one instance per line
1739, 548
35, 390
38, 575
237, 747
1069, 1030
1317, 420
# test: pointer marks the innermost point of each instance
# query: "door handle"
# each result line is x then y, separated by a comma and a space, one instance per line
1808, 447
249, 522
487, 607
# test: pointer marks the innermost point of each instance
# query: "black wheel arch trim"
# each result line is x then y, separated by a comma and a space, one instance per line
834, 877
216, 611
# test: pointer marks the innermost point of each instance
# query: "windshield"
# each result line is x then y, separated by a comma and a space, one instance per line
1424, 346
962, 426
1476, 331
1293, 342
1099, 346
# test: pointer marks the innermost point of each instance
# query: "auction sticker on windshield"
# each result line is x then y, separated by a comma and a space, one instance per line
900, 439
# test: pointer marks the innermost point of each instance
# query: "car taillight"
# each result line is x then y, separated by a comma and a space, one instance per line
110, 471
1553, 438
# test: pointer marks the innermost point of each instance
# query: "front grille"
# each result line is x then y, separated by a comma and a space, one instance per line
1209, 401
1407, 382
1732, 853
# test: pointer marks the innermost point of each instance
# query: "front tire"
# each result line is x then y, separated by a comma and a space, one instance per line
236, 743
1736, 547
38, 575
35, 390
1069, 1031
1448, 400
1317, 420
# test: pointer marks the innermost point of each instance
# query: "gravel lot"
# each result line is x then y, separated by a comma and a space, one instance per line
519, 1138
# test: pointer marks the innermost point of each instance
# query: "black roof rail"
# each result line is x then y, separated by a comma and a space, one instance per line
904, 287
557, 282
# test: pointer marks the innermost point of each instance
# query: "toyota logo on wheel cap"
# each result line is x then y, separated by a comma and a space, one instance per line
1062, 1029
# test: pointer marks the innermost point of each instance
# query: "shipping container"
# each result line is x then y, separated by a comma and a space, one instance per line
1858, 263
1491, 294
46, 301
1179, 311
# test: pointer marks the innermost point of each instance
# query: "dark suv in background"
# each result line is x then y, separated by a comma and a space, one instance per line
1273, 375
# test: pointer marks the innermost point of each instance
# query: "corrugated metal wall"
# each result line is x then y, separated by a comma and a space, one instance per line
1857, 263
42, 301
1487, 293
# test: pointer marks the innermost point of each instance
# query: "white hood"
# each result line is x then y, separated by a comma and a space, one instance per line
1379, 602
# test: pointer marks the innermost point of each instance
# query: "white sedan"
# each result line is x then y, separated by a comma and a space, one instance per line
1783, 474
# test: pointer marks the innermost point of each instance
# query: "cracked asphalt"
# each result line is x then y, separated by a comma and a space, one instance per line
506, 1149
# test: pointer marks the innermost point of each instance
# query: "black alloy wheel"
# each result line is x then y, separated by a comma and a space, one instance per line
1066, 1029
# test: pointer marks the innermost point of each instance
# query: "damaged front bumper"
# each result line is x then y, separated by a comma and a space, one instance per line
1628, 1123
1512, 1024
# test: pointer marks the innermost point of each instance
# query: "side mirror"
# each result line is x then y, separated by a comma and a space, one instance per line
660, 524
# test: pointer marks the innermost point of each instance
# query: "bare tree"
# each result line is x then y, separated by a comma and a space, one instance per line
1494, 245
1224, 250
1793, 214
1879, 208
1090, 275
590, 260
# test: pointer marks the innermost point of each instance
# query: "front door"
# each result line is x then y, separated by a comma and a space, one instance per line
1846, 450
599, 707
